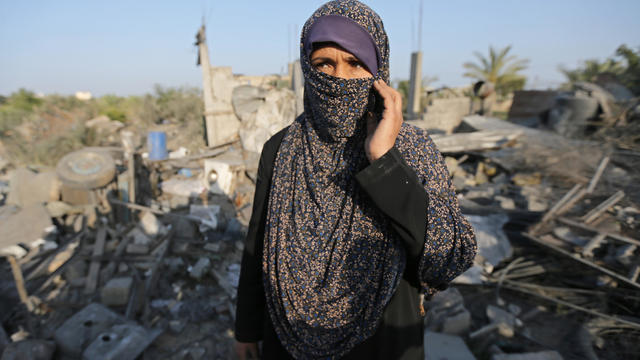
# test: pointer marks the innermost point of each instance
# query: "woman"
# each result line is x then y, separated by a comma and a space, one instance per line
354, 214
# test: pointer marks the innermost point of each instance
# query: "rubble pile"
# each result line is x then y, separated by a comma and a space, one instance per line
102, 277
556, 221
121, 246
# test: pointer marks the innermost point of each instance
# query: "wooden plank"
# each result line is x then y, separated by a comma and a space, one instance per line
576, 257
592, 215
561, 203
475, 141
634, 273
570, 203
111, 267
611, 235
94, 267
587, 250
597, 175
19, 280
574, 306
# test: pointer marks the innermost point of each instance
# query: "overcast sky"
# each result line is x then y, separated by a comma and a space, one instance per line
125, 47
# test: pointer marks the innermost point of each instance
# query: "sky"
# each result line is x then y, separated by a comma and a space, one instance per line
127, 47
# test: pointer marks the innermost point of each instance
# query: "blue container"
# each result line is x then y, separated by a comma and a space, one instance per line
157, 145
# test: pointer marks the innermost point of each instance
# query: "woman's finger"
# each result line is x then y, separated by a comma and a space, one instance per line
391, 97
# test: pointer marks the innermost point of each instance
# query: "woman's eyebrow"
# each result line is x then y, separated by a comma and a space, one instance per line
321, 58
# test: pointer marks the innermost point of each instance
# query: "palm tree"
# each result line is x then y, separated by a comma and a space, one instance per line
500, 69
591, 69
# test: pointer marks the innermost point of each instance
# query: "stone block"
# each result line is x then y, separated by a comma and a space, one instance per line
447, 313
439, 346
120, 342
116, 291
83, 327
29, 188
14, 232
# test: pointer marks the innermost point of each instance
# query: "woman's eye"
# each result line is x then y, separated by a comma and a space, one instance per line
356, 64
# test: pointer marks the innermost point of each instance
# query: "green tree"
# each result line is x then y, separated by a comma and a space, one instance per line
630, 77
499, 68
624, 66
591, 68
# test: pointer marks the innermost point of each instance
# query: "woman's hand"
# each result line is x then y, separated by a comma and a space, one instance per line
382, 135
247, 351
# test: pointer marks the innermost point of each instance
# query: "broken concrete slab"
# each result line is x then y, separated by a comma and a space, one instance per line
30, 188
447, 313
439, 346
116, 291
200, 268
84, 326
221, 174
263, 113
32, 349
120, 342
540, 355
506, 322
138, 237
14, 232
445, 114
210, 214
493, 244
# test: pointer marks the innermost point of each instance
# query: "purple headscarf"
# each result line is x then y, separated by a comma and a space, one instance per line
349, 35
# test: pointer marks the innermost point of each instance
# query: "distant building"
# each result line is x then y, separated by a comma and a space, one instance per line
83, 95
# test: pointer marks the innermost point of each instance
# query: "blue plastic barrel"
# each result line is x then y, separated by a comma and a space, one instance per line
157, 145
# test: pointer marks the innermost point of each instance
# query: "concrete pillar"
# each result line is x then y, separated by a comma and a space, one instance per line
297, 85
415, 86
220, 121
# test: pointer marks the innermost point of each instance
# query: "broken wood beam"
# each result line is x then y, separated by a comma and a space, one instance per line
561, 202
94, 267
475, 141
571, 202
597, 175
614, 236
574, 306
634, 273
19, 281
594, 243
111, 267
603, 207
581, 260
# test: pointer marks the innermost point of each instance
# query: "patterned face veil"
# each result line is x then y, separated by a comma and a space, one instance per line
337, 106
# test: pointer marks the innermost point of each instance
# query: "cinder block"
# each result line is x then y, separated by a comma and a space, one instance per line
116, 291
